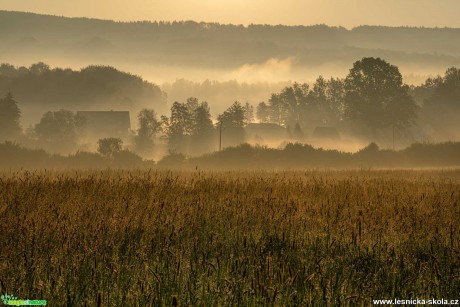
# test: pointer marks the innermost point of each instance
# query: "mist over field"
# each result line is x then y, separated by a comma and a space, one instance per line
159, 89
194, 88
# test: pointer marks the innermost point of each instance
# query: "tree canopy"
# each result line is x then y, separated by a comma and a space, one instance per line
108, 147
190, 127
441, 104
446, 90
302, 105
59, 129
376, 97
149, 126
103, 86
10, 115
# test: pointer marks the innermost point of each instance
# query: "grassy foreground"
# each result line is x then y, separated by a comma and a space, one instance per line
119, 238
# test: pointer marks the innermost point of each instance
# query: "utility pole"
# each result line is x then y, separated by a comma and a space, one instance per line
220, 135
393, 137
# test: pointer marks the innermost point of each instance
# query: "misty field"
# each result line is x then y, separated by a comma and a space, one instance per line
148, 238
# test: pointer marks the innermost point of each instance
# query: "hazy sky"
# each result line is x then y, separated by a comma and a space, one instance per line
348, 13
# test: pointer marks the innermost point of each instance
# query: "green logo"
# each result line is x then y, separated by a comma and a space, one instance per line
7, 297
11, 300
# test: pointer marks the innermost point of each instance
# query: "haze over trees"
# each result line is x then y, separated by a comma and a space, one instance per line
10, 115
203, 136
39, 88
219, 92
441, 106
231, 124
371, 104
166, 51
189, 129
181, 47
375, 97
149, 126
108, 147
59, 130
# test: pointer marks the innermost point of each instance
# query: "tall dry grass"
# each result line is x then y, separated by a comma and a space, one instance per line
127, 238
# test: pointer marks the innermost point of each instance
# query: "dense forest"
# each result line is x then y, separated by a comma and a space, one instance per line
145, 46
41, 88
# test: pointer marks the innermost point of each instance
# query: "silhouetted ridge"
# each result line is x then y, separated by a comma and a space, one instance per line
190, 43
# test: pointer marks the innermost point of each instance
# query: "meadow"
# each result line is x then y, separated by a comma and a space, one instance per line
193, 238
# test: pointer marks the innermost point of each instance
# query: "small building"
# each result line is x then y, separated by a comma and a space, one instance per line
105, 124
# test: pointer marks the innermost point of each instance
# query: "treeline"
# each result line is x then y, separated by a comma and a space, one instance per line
14, 156
298, 156
189, 43
93, 87
392, 38
244, 156
371, 104
218, 92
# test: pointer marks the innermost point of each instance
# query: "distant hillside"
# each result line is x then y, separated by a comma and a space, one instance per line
215, 46
39, 88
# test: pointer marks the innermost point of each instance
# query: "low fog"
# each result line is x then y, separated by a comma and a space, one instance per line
165, 90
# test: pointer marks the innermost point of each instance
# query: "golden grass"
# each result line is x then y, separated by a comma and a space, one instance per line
137, 238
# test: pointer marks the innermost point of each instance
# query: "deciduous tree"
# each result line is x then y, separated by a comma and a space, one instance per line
9, 118
376, 96
108, 147
149, 126
59, 130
